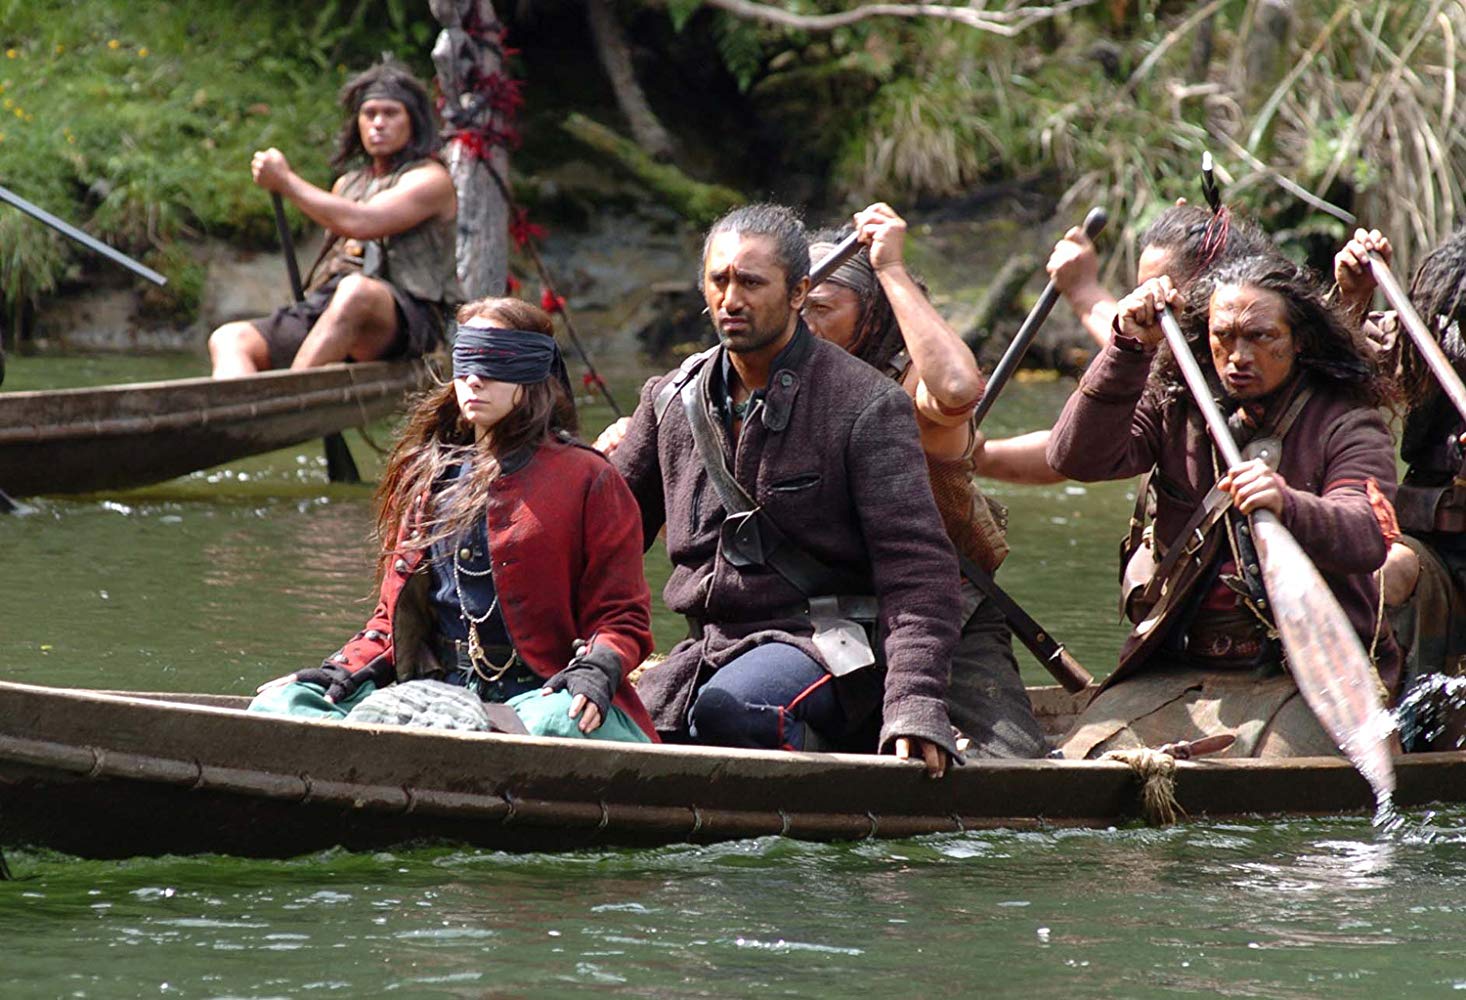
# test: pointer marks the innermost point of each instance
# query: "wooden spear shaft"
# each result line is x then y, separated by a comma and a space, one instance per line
1325, 656
1435, 358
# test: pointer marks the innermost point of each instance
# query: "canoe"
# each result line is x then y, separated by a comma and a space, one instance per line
112, 774
122, 436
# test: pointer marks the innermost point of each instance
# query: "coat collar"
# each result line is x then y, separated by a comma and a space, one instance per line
784, 376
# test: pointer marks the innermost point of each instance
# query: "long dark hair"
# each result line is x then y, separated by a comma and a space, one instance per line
1196, 239
403, 86
435, 437
1438, 292
1332, 349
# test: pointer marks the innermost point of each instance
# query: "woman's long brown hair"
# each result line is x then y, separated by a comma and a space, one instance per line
435, 437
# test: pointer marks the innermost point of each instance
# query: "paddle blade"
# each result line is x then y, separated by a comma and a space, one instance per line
1324, 654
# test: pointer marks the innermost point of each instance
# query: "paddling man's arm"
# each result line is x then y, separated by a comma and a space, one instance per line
1348, 525
944, 380
423, 193
1018, 459
1074, 268
1107, 431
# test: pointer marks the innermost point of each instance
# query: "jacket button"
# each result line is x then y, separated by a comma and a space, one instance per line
786, 380
400, 565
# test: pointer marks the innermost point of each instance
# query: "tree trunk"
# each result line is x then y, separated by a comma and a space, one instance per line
615, 57
469, 57
693, 200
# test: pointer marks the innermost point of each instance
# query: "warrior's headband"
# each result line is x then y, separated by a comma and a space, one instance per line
523, 357
388, 90
854, 272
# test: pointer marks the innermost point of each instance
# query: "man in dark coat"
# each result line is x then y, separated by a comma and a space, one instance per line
825, 452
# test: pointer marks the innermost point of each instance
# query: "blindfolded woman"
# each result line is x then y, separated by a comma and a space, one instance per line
512, 558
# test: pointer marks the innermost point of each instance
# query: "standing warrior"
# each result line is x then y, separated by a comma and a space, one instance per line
807, 552
386, 279
1302, 390
873, 308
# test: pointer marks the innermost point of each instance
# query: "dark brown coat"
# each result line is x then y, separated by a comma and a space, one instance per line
1337, 449
835, 460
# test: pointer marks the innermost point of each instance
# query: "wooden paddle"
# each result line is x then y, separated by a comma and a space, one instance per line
91, 243
1435, 358
340, 466
843, 251
1325, 655
1013, 356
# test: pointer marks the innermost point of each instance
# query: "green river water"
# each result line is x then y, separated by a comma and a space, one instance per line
226, 578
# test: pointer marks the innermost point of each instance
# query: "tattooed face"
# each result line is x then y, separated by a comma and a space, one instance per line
1252, 345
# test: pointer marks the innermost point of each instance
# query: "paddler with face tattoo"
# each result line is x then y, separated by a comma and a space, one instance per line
1301, 388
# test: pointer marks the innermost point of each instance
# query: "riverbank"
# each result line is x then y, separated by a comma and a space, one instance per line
629, 280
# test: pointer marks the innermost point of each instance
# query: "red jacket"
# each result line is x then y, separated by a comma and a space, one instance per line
565, 535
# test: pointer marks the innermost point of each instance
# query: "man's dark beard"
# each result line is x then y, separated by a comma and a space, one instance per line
755, 339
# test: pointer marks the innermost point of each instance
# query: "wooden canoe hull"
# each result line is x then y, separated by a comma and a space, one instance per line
112, 775
123, 436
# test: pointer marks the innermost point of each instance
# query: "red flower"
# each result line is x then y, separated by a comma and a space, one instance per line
521, 230
512, 285
550, 302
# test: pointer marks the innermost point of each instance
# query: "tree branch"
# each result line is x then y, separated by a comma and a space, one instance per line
1001, 22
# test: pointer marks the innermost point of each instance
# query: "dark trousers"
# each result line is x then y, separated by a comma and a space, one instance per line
769, 698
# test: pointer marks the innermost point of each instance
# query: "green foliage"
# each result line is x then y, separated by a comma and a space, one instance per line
681, 11
740, 48
1358, 105
137, 121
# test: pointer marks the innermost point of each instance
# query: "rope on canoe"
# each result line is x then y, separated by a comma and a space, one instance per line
1157, 774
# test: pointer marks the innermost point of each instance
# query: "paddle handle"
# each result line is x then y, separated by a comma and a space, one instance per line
1200, 391
844, 250
90, 242
287, 245
1068, 671
1013, 356
1435, 358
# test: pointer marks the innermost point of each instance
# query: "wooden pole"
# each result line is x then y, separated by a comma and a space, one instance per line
1420, 335
1325, 656
1013, 356
90, 242
469, 49
340, 466
843, 251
